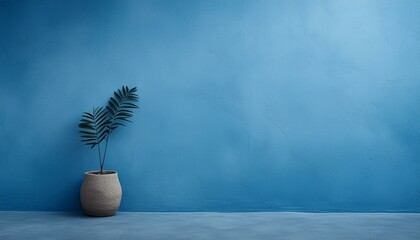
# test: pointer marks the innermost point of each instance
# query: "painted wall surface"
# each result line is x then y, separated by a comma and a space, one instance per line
245, 105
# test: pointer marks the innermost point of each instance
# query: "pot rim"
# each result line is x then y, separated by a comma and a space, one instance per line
107, 173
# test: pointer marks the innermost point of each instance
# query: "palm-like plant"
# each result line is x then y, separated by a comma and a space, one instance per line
97, 126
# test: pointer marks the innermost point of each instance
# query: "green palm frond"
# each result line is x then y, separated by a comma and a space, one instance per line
120, 106
94, 126
98, 125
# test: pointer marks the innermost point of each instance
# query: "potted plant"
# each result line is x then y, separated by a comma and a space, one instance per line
101, 192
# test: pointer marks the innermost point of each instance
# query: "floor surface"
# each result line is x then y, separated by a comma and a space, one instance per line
168, 226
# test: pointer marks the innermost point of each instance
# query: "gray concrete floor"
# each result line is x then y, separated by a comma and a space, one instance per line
241, 226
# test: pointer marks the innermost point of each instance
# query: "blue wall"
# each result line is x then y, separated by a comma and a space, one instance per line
245, 105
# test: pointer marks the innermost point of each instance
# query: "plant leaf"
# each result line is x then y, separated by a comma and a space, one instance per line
120, 106
93, 126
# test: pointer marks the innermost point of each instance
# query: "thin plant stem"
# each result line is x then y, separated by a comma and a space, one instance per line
106, 148
99, 145
99, 153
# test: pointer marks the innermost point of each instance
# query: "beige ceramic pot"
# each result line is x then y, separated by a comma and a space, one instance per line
100, 194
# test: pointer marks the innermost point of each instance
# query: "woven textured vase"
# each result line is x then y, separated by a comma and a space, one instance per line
100, 194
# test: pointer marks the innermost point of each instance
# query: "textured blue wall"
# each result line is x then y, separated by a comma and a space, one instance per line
246, 105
